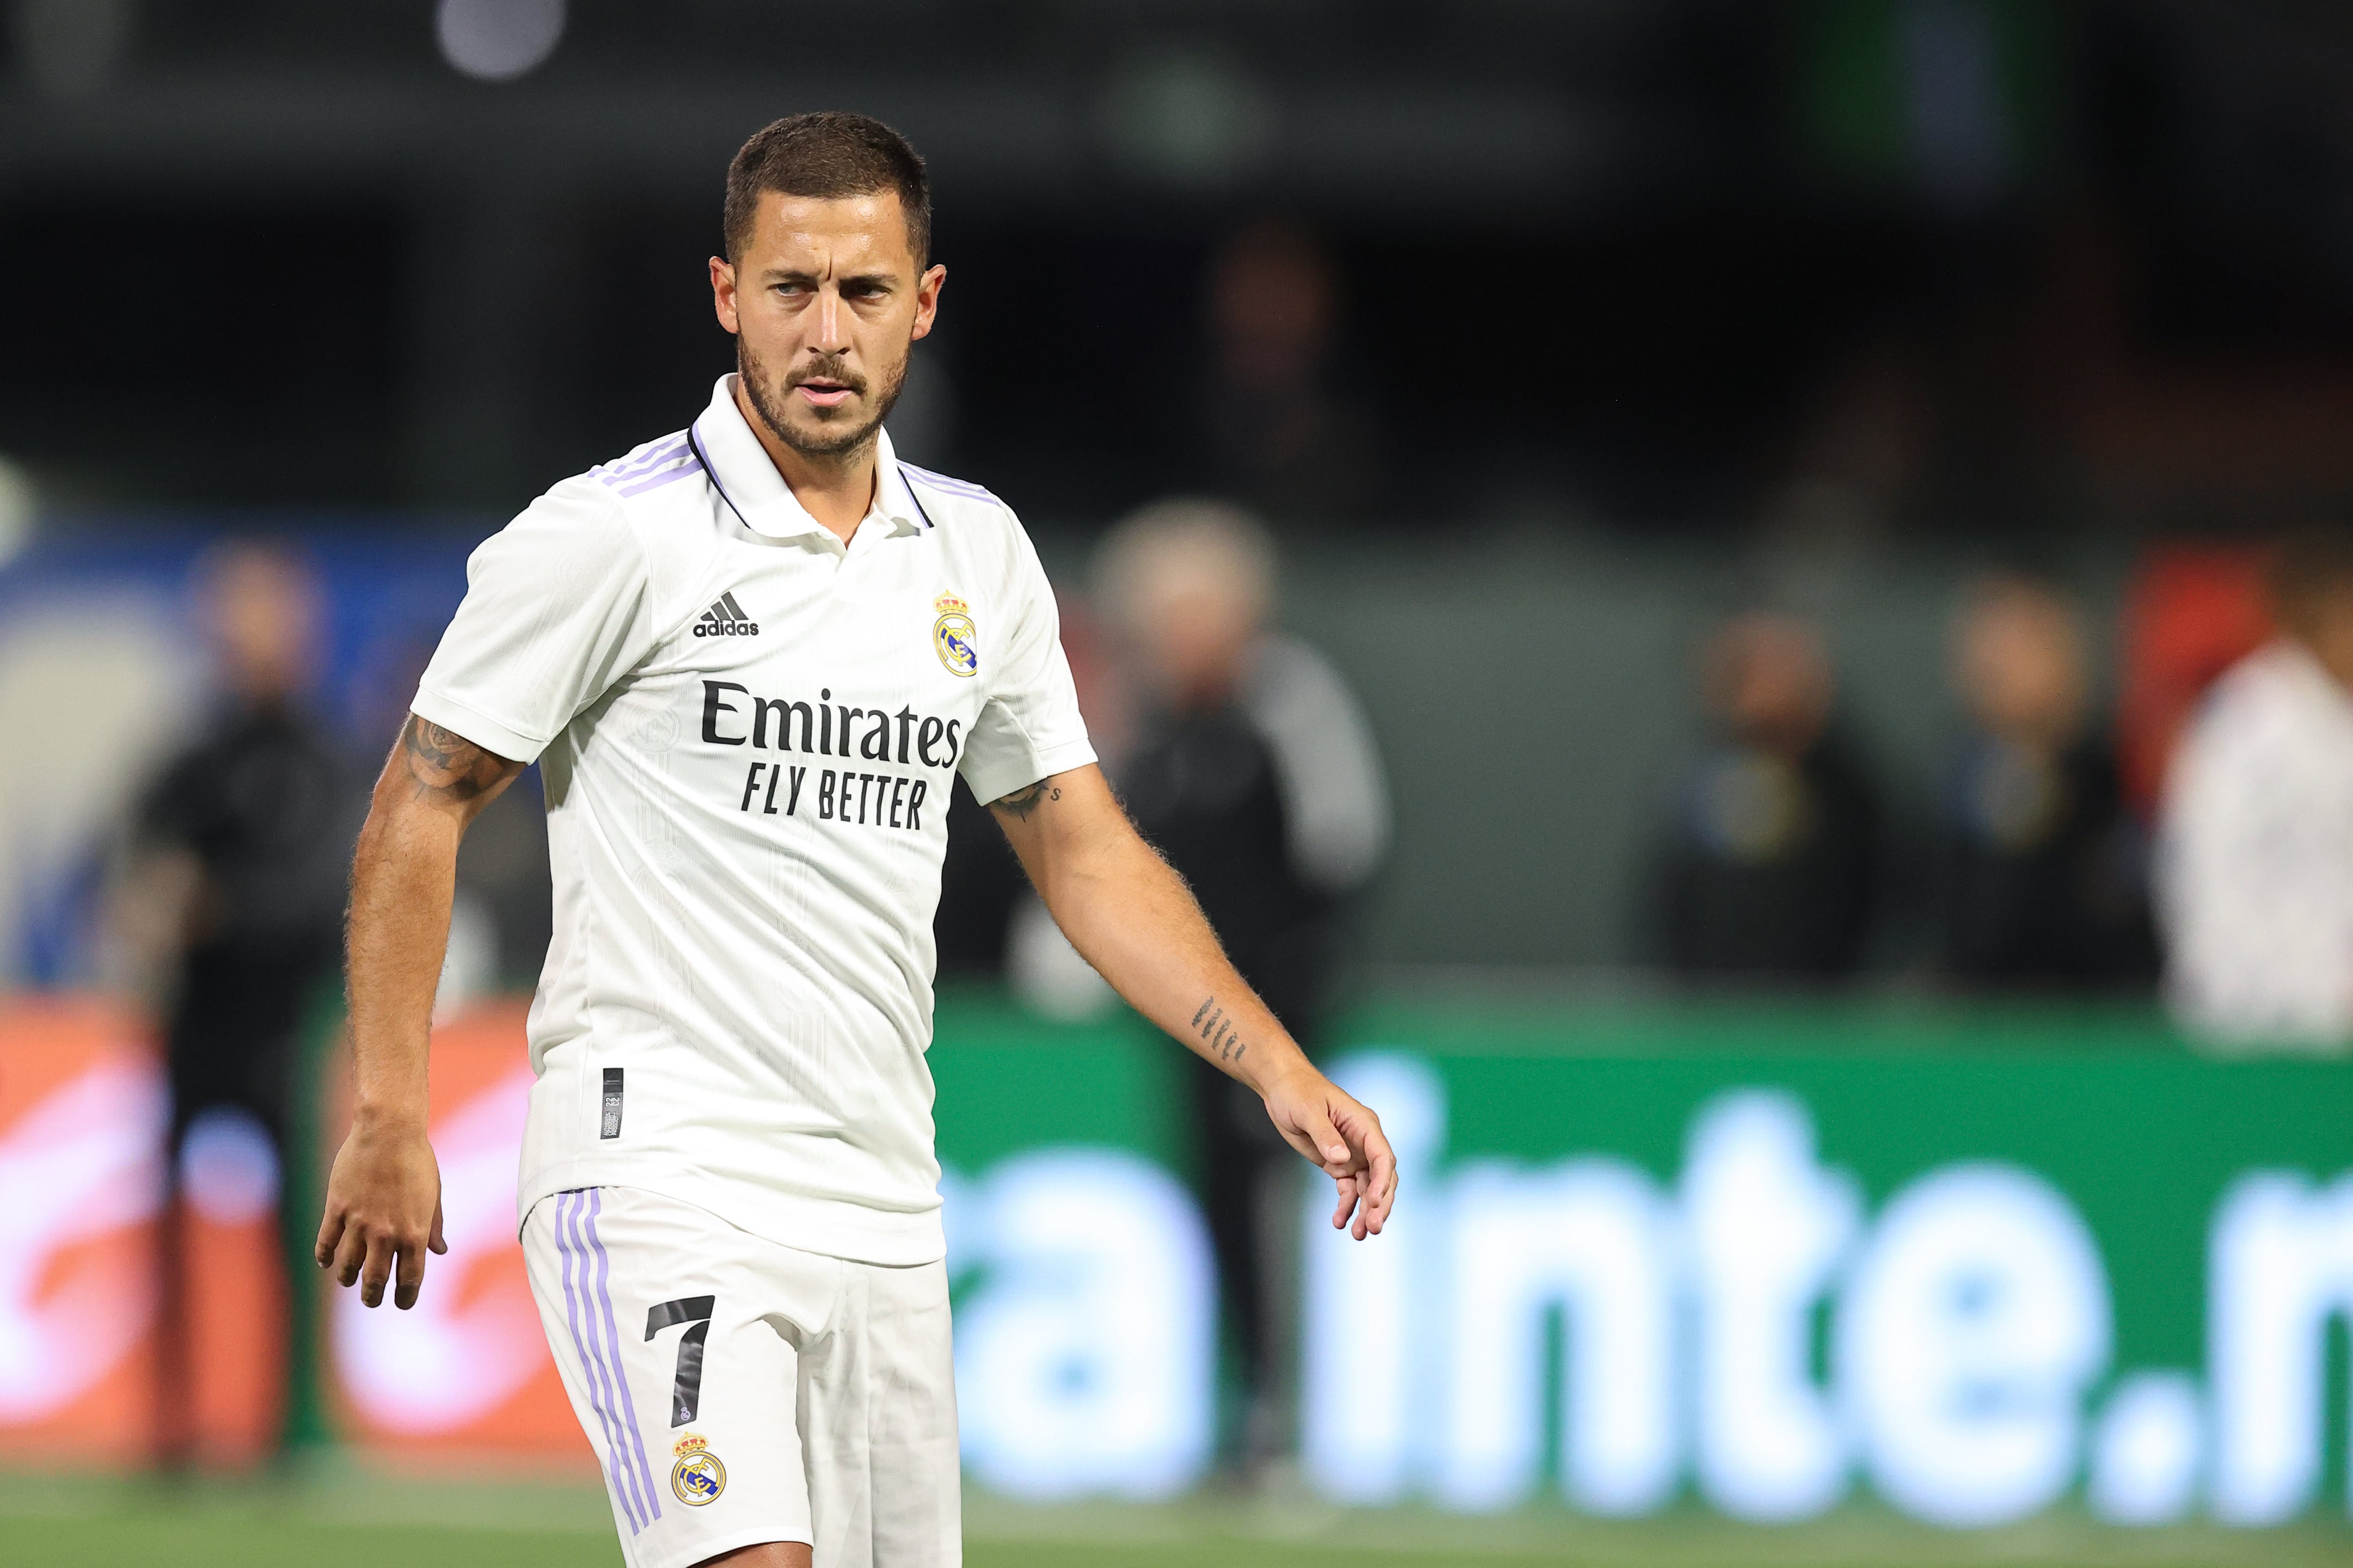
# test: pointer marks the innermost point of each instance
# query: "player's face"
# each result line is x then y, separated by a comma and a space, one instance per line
825, 303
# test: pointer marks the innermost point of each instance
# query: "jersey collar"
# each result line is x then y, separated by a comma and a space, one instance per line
741, 469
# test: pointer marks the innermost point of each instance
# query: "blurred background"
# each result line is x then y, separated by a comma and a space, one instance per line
1777, 578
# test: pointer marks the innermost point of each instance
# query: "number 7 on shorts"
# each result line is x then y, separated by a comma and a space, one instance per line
686, 1388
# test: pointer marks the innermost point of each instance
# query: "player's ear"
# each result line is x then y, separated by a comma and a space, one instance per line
722, 293
927, 300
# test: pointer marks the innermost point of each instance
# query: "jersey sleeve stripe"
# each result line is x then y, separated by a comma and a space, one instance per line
947, 486
613, 479
592, 1367
667, 447
613, 1343
968, 492
688, 466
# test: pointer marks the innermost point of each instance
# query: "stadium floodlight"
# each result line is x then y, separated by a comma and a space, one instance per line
498, 41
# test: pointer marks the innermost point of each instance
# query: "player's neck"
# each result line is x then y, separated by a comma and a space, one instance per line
837, 489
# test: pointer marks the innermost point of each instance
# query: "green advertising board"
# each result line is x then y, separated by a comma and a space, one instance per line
1977, 1260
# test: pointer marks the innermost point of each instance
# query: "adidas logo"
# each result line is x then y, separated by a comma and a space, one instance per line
726, 619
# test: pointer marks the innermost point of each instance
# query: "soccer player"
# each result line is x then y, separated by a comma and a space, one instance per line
750, 659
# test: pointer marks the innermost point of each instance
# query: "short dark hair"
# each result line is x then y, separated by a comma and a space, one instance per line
827, 154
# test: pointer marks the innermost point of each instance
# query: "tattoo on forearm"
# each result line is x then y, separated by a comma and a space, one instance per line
444, 762
1022, 802
1217, 1032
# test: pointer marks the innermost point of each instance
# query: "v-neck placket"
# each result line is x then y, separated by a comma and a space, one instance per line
746, 479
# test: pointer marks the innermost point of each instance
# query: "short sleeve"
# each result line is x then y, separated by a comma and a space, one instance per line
1029, 728
556, 610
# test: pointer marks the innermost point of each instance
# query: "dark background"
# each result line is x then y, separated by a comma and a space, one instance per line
1604, 261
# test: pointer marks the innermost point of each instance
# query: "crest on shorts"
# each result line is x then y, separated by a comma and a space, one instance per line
698, 1477
953, 637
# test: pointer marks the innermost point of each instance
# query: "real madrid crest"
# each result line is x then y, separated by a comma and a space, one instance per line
698, 1477
953, 637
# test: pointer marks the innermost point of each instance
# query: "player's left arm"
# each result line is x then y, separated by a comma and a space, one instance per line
1132, 917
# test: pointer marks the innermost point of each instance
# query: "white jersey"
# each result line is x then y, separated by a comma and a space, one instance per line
747, 732
2255, 856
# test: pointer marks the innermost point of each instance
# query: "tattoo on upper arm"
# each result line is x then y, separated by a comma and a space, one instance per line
1217, 1031
1021, 803
444, 763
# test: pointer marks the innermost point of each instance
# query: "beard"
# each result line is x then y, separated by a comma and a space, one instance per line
767, 401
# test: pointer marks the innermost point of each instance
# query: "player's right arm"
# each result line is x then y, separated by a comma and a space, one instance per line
383, 1195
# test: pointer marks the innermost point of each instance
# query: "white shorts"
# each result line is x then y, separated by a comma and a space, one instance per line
740, 1391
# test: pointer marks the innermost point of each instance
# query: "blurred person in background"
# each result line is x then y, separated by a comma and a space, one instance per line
1271, 423
232, 904
2044, 866
1253, 771
1771, 861
502, 912
988, 916
2255, 835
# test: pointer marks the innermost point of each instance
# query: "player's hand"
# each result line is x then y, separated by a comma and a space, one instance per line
1326, 1125
384, 1210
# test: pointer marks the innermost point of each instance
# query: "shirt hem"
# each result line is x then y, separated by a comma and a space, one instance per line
999, 780
827, 1226
480, 728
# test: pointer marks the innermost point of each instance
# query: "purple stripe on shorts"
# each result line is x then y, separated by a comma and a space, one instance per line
690, 465
572, 1317
623, 1479
592, 1370
613, 1338
668, 447
629, 1440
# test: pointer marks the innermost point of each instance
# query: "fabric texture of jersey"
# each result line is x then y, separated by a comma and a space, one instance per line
738, 1391
746, 732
